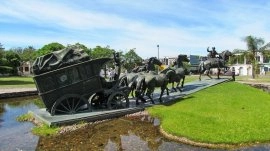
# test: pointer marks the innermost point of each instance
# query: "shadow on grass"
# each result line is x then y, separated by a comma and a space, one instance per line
15, 82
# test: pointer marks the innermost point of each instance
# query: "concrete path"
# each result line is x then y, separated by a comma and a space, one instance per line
189, 88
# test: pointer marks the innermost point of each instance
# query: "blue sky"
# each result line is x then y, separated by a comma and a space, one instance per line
177, 26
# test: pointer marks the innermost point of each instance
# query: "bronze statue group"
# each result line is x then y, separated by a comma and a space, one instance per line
144, 79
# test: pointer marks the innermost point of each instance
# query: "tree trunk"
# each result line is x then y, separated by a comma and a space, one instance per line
253, 65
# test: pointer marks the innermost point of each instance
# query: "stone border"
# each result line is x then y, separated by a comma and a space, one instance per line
18, 94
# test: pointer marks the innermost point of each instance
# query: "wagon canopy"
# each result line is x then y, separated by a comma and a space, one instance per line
57, 59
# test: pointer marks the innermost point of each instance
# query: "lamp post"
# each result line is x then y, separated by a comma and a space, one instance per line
158, 51
158, 54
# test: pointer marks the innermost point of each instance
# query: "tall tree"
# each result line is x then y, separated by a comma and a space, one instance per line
100, 52
13, 60
266, 52
82, 46
2, 49
29, 54
54, 46
131, 59
254, 45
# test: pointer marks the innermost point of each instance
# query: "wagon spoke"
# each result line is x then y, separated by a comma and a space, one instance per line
77, 109
78, 102
68, 104
64, 106
72, 103
61, 111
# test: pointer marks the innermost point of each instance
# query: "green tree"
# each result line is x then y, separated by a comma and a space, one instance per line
87, 50
13, 60
254, 45
2, 51
4, 68
101, 52
132, 59
266, 52
29, 54
50, 48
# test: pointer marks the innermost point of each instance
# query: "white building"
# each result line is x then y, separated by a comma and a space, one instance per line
246, 69
25, 69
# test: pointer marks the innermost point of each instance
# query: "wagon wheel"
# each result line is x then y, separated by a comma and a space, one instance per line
96, 100
118, 100
70, 104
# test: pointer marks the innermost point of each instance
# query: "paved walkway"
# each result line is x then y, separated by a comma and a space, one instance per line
17, 92
12, 90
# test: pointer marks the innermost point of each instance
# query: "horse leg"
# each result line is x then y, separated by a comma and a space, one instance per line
207, 73
167, 91
178, 86
137, 97
173, 88
183, 81
149, 93
161, 93
218, 73
132, 92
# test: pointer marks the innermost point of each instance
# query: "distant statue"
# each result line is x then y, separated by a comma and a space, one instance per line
212, 53
218, 63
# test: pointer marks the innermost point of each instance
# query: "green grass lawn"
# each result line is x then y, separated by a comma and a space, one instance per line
16, 82
230, 113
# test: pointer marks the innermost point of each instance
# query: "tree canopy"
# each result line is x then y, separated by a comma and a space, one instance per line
131, 60
100, 52
82, 46
254, 44
54, 46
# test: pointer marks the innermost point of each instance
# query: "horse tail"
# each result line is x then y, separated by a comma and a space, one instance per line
201, 67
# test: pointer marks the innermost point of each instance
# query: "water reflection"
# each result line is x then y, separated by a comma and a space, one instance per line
118, 134
16, 135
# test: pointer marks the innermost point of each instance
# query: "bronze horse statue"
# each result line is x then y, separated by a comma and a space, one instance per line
219, 62
178, 72
148, 66
148, 82
131, 78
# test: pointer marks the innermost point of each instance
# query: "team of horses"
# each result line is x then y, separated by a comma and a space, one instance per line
144, 79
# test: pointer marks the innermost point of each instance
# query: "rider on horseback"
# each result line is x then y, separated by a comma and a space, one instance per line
212, 53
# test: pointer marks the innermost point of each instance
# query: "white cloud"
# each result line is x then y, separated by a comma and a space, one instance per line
178, 27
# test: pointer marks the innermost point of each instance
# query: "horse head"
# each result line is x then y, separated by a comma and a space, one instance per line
152, 62
180, 60
225, 55
183, 58
155, 61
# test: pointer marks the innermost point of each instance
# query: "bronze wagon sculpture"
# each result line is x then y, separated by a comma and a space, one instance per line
69, 82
